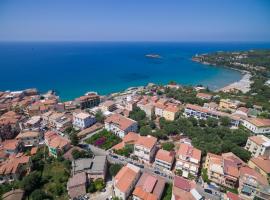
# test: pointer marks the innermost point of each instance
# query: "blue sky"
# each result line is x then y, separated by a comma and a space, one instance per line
135, 20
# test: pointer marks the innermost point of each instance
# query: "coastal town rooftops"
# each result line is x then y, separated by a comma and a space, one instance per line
164, 155
187, 150
27, 134
121, 121
259, 122
82, 115
130, 138
146, 141
172, 108
262, 163
9, 117
149, 187
260, 140
11, 165
54, 140
89, 96
125, 177
10, 144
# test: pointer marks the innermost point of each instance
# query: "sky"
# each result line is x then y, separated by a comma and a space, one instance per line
134, 20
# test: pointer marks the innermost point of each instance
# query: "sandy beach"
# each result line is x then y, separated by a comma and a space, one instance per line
242, 85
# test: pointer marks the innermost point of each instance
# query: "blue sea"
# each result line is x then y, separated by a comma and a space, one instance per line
73, 68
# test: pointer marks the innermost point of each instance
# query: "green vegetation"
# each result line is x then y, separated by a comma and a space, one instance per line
167, 194
126, 151
103, 139
168, 146
205, 176
114, 169
99, 116
76, 154
96, 185
178, 172
74, 139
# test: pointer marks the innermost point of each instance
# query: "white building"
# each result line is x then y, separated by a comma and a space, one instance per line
125, 181
83, 120
145, 148
120, 125
257, 125
258, 146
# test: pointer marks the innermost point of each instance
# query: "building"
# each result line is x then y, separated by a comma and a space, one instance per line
250, 182
83, 120
33, 122
11, 146
9, 125
224, 169
93, 167
170, 111
204, 96
203, 113
257, 125
30, 138
56, 143
258, 146
261, 165
128, 139
90, 100
188, 160
120, 125
13, 168
108, 106
164, 159
125, 180
185, 189
149, 187
228, 104
15, 194
145, 148
76, 185
159, 108
211, 106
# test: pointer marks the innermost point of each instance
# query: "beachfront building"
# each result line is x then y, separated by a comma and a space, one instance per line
250, 182
223, 169
188, 160
228, 104
83, 120
164, 159
125, 180
203, 113
185, 189
145, 148
56, 143
257, 125
89, 100
149, 187
120, 125
258, 146
261, 165
30, 138
170, 111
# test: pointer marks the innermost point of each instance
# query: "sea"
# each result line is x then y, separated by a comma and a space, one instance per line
74, 68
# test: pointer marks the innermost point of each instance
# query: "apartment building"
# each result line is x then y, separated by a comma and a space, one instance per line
258, 146
30, 138
108, 106
257, 125
250, 181
83, 120
188, 159
149, 187
89, 100
223, 169
125, 181
261, 165
228, 104
120, 125
145, 148
204, 113
164, 159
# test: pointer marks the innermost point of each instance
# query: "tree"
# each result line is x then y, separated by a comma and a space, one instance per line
178, 172
31, 182
74, 139
212, 122
137, 114
225, 121
114, 169
145, 130
194, 121
241, 153
76, 154
99, 184
99, 116
168, 146
202, 123
39, 195
205, 176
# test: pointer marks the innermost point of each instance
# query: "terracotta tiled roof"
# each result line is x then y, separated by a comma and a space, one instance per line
56, 141
262, 163
146, 141
249, 172
259, 122
11, 165
204, 95
28, 134
259, 139
121, 121
232, 196
34, 150
165, 156
10, 144
188, 150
